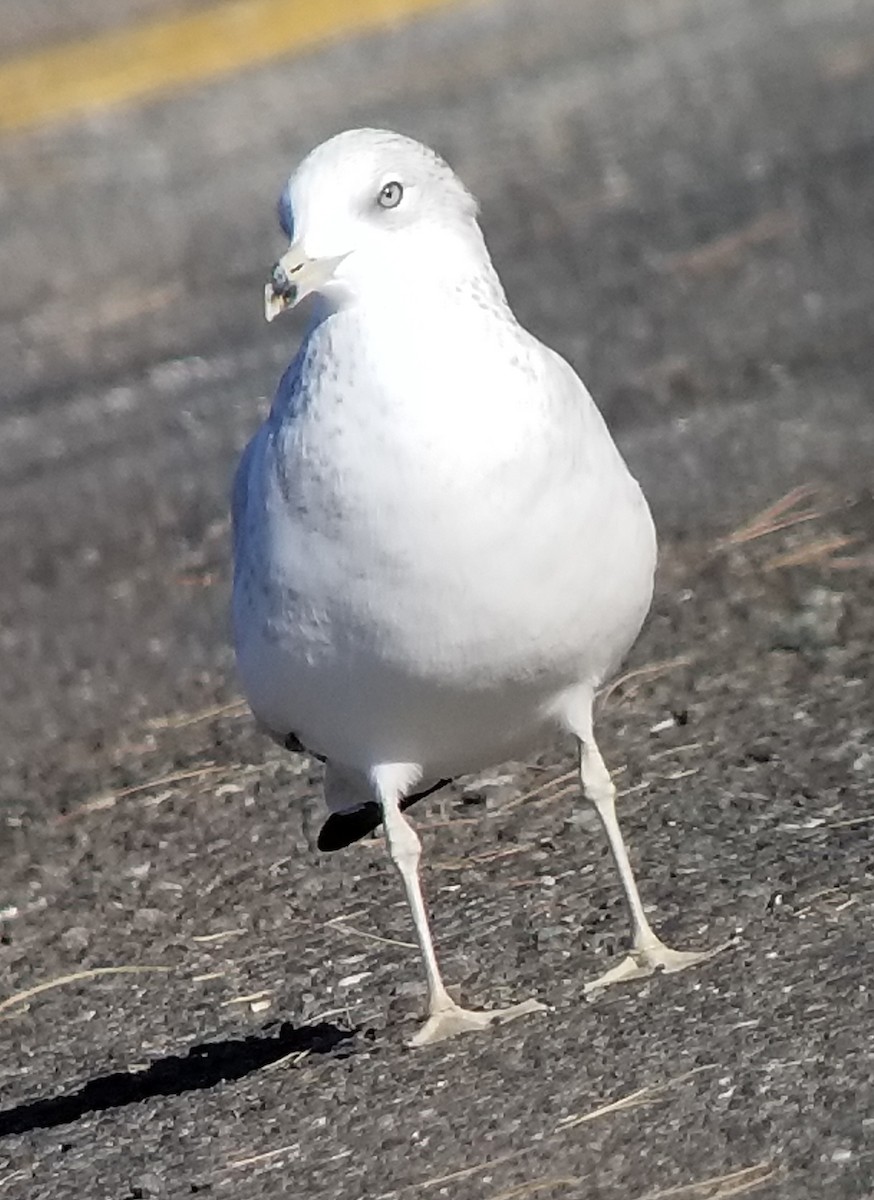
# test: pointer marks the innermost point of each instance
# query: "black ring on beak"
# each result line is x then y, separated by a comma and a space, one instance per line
282, 284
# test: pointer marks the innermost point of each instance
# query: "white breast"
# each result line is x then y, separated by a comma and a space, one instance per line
426, 560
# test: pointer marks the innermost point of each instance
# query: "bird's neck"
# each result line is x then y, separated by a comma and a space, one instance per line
448, 272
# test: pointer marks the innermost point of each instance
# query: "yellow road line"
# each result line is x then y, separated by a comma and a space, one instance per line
111, 68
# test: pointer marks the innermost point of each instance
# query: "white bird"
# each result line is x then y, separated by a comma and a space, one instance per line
439, 552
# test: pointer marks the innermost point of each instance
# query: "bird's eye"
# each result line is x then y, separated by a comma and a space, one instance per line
391, 195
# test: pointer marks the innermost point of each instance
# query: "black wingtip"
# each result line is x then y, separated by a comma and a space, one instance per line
293, 743
342, 829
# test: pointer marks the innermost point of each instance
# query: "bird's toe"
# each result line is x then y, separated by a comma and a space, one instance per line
451, 1020
646, 959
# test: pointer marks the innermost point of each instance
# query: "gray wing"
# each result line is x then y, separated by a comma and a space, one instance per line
286, 405
240, 492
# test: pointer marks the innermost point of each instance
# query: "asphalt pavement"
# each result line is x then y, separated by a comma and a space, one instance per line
678, 196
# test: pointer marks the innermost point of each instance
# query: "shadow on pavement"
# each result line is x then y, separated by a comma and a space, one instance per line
202, 1067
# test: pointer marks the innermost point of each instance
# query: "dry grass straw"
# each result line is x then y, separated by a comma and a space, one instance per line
292, 1059
253, 1159
644, 1095
808, 502
183, 720
222, 935
821, 551
640, 674
477, 860
728, 251
848, 822
719, 1187
533, 1186
780, 515
15, 1177
340, 926
543, 791
110, 799
75, 977
250, 998
466, 1172
672, 750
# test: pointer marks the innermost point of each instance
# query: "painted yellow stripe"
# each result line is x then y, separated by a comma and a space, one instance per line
122, 65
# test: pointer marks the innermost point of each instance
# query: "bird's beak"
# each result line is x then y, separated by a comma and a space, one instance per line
294, 276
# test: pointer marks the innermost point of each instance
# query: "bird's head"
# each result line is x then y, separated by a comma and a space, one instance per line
369, 207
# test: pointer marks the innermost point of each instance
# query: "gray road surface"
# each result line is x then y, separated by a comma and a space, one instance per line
679, 197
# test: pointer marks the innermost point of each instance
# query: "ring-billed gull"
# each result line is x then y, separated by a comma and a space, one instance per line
439, 552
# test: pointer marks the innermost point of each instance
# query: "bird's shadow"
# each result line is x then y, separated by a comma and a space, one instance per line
202, 1067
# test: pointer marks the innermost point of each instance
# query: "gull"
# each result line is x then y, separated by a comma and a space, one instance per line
439, 553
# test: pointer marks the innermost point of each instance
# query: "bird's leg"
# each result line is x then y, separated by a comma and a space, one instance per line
445, 1017
648, 952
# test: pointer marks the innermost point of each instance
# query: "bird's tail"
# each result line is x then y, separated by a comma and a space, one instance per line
354, 814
